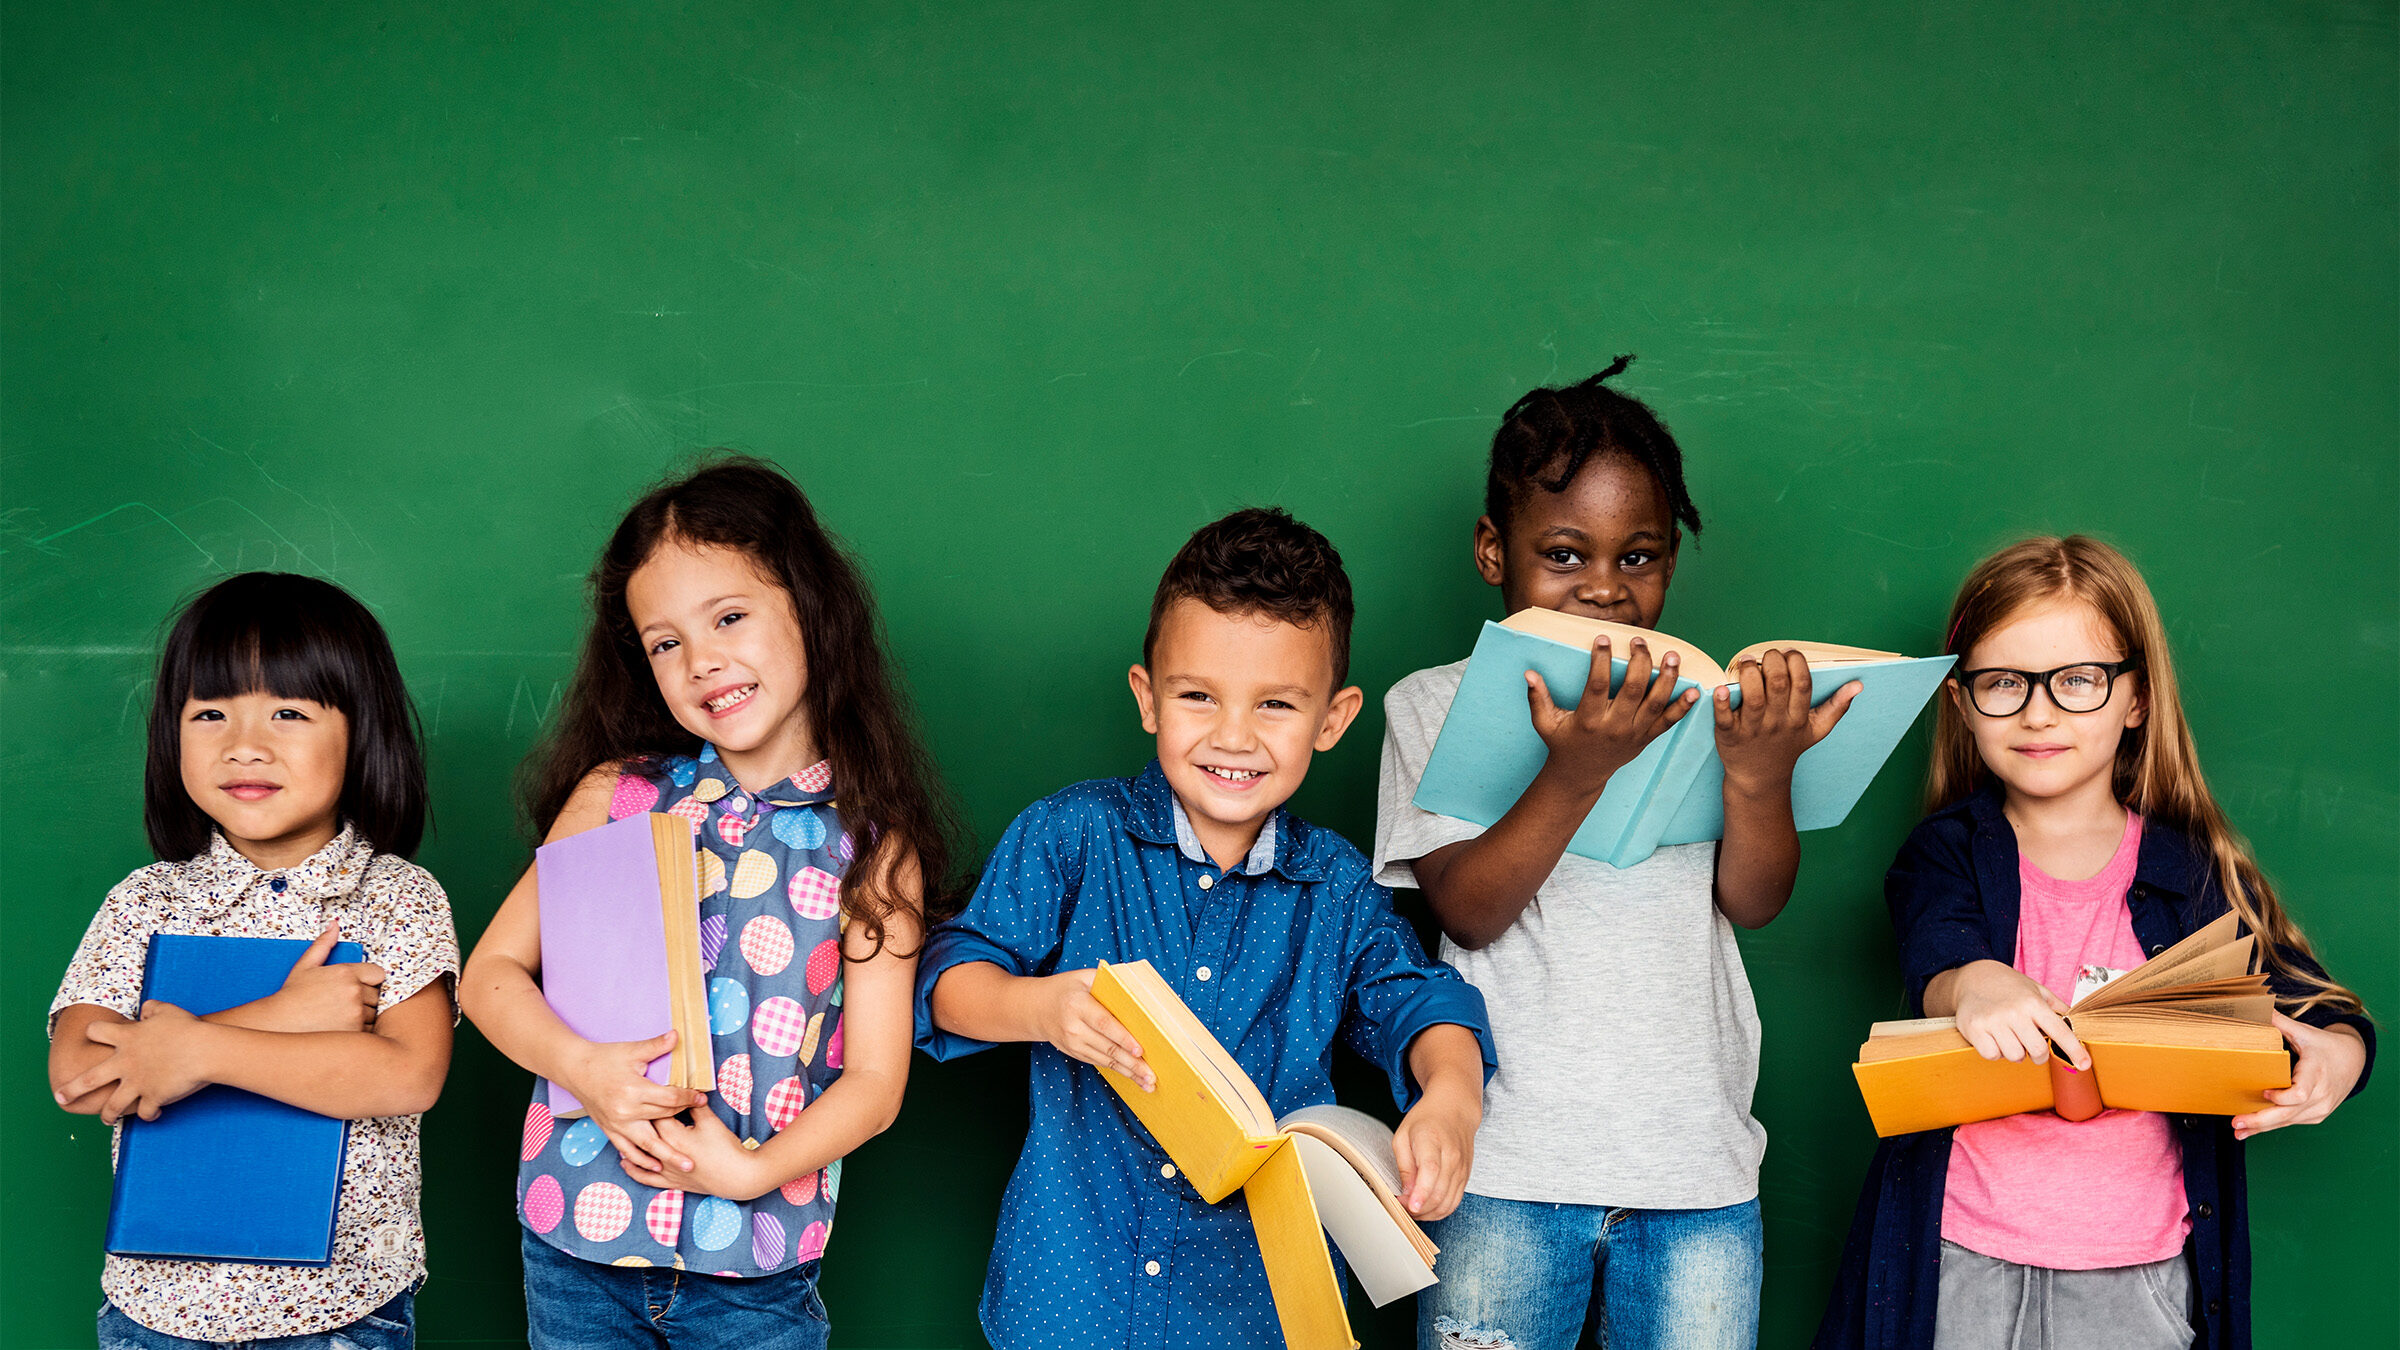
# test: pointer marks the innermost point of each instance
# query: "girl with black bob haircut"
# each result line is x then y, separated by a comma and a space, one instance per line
283, 793
293, 637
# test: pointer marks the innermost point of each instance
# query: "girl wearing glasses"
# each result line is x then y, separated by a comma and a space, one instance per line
2072, 837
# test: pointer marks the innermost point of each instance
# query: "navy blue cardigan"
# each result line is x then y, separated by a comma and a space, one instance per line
1954, 899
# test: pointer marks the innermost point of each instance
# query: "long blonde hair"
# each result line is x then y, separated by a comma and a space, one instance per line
2157, 769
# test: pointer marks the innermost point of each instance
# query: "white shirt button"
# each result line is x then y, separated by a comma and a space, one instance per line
1151, 1268
1207, 881
1204, 973
1167, 1170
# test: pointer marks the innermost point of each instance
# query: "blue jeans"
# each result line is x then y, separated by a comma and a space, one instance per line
1524, 1276
574, 1304
390, 1327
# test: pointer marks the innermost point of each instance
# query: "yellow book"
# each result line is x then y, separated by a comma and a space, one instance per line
2189, 1031
1318, 1170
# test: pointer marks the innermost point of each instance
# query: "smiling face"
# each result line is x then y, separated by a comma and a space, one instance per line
724, 644
1239, 703
268, 771
2042, 754
1604, 548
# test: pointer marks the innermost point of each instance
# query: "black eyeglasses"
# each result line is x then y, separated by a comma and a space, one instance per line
1997, 691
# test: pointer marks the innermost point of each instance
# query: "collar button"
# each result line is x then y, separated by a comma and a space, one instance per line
278, 885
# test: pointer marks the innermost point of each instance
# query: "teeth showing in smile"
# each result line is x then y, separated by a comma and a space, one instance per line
1234, 775
726, 700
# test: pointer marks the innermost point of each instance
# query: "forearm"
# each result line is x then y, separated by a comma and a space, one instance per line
1760, 856
853, 1109
1447, 1061
1941, 992
350, 1075
984, 1002
1482, 885
72, 1052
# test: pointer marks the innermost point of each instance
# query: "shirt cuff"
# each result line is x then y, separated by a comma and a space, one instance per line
1420, 833
949, 947
1436, 1002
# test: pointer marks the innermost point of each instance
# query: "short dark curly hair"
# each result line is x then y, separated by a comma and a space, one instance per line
1261, 561
1548, 436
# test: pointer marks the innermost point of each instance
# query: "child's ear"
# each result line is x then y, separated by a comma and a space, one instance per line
1491, 552
2141, 703
1339, 714
1144, 696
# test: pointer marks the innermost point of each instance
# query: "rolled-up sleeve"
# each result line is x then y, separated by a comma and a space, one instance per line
1396, 991
1936, 913
1014, 921
2289, 990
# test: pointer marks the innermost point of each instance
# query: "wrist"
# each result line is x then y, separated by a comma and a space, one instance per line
1570, 786
1758, 784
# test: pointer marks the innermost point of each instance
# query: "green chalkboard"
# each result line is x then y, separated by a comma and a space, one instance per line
416, 297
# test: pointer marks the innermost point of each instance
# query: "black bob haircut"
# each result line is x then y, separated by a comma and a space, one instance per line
290, 637
1547, 437
1261, 561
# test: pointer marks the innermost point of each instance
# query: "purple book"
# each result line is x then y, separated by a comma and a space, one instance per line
621, 946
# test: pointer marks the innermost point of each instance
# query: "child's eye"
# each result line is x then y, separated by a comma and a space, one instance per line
289, 714
734, 617
662, 646
208, 715
1194, 695
1277, 704
1639, 558
1563, 557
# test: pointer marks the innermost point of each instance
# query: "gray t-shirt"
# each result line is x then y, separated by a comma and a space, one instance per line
1627, 1037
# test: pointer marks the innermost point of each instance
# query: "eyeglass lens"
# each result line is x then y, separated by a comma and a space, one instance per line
2076, 689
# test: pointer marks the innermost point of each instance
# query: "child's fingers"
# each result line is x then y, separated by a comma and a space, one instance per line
1680, 704
1662, 690
1639, 675
1752, 677
89, 1081
1821, 719
2055, 1028
1721, 703
1595, 682
1775, 672
319, 949
1545, 709
639, 1140
106, 1033
1404, 1152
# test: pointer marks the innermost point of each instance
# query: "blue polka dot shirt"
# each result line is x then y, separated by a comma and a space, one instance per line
1102, 1242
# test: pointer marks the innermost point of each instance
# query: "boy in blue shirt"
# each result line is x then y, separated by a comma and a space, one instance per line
1268, 927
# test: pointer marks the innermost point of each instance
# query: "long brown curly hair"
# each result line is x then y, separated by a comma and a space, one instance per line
857, 710
2158, 767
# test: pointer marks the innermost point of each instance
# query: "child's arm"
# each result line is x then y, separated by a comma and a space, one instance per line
877, 989
1477, 888
1759, 742
1435, 1144
981, 1001
394, 1070
503, 997
982, 983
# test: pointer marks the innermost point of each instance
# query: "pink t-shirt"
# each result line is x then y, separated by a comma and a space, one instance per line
2041, 1191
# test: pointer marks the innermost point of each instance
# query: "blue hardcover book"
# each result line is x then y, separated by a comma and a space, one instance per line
1673, 792
228, 1175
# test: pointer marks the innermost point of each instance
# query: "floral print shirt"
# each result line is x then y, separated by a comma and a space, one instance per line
398, 913
771, 864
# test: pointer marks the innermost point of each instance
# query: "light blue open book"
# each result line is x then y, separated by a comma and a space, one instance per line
1674, 791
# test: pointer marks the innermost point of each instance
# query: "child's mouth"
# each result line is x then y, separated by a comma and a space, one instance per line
250, 792
2041, 751
1237, 780
729, 700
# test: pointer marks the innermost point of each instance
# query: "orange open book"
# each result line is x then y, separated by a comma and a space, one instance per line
2189, 1031
1318, 1170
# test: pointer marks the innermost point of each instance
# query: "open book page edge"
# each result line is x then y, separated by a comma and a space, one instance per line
1570, 630
1352, 1209
1365, 1144
694, 1062
2162, 970
1819, 654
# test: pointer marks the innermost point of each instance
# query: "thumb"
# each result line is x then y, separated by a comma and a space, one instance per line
1821, 718
657, 1045
322, 947
1404, 1153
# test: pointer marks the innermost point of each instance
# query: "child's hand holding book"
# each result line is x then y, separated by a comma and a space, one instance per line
1605, 731
611, 1081
2006, 1014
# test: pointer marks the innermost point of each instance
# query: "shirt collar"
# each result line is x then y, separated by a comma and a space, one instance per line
2168, 861
808, 787
222, 875
1153, 815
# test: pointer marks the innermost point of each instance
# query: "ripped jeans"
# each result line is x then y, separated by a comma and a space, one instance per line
1519, 1275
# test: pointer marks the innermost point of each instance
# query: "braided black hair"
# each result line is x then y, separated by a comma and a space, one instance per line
1546, 438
